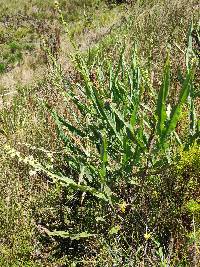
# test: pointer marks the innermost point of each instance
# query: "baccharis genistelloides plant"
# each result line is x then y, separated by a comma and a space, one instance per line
116, 125
113, 129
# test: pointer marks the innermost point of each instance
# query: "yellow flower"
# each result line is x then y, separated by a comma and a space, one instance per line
155, 194
147, 236
123, 206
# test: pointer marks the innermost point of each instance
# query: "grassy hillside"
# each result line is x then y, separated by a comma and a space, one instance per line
100, 128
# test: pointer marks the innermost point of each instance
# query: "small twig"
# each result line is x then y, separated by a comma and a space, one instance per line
179, 48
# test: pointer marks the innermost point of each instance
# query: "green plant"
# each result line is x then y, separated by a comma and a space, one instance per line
112, 133
117, 130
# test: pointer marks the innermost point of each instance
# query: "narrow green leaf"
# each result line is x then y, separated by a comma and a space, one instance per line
71, 183
104, 157
177, 110
127, 126
161, 102
105, 116
69, 126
